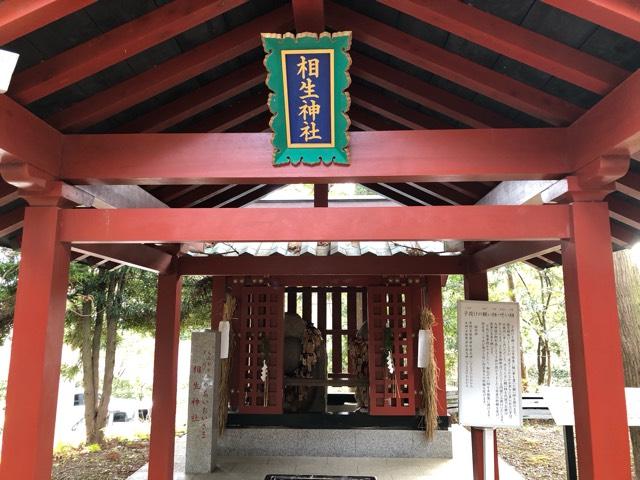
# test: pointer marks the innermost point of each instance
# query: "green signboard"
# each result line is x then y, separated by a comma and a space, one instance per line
308, 75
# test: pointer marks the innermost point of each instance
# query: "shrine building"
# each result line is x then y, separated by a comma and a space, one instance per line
145, 133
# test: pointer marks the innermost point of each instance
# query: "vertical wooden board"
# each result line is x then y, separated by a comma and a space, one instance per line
261, 327
391, 394
336, 326
306, 304
322, 311
236, 378
352, 319
292, 300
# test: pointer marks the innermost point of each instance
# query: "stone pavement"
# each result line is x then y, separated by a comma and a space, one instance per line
256, 468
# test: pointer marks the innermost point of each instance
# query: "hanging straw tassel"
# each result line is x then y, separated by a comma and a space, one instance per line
225, 366
429, 376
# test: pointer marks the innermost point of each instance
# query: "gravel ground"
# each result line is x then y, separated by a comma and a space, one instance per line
536, 450
116, 461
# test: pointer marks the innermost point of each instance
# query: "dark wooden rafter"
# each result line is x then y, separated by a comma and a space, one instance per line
425, 94
458, 69
232, 115
199, 100
622, 16
11, 221
516, 42
624, 211
19, 17
629, 185
393, 110
369, 121
170, 73
114, 46
308, 15
8, 193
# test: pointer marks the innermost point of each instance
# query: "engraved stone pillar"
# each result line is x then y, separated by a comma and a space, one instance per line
202, 423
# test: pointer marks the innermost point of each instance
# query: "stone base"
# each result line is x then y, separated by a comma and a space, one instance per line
333, 443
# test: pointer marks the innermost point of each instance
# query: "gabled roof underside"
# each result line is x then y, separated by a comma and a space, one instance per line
196, 66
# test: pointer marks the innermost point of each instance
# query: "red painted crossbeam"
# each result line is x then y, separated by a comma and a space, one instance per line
115, 46
622, 16
170, 73
516, 42
612, 126
456, 68
25, 137
320, 266
19, 17
317, 224
399, 156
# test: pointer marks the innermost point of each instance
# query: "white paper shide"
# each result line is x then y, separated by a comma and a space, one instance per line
489, 385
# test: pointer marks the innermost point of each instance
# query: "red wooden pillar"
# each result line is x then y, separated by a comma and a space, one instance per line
476, 287
434, 300
165, 377
36, 350
594, 346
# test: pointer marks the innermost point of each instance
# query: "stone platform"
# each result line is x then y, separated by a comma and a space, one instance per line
377, 443
256, 467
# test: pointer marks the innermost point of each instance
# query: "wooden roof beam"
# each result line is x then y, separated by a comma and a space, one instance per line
8, 193
503, 253
214, 158
425, 94
253, 196
622, 235
170, 73
629, 185
473, 223
231, 116
627, 212
368, 121
308, 15
456, 68
516, 42
329, 265
611, 127
11, 221
19, 17
622, 16
198, 100
139, 256
393, 110
26, 138
114, 46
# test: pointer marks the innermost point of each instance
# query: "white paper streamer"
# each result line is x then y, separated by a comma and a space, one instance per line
8, 61
224, 328
424, 348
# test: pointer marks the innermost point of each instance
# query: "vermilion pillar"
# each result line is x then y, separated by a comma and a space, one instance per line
165, 377
434, 300
594, 346
476, 287
36, 350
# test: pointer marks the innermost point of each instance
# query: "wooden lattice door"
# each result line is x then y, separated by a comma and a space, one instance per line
261, 339
391, 322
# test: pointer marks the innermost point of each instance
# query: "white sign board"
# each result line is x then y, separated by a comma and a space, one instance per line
559, 400
489, 364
